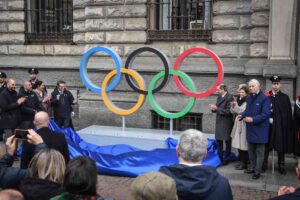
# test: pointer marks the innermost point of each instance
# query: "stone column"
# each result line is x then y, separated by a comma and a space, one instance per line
282, 42
282, 30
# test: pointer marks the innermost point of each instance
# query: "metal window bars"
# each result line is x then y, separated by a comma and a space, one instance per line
49, 21
179, 19
190, 120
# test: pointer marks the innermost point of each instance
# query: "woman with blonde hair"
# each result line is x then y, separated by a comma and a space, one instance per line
46, 174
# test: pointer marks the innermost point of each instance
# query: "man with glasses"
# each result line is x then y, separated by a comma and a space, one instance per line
280, 132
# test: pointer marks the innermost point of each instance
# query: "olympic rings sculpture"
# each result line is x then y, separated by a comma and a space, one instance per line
152, 88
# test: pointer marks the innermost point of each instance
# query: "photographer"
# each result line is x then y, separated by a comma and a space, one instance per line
10, 177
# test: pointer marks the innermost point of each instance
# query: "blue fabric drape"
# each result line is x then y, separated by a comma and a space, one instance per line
126, 160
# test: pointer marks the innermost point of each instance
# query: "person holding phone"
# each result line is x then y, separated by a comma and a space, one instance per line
10, 177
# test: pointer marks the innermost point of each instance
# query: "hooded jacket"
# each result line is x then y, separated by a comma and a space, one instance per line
198, 182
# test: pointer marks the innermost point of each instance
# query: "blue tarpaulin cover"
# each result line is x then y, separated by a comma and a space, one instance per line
126, 160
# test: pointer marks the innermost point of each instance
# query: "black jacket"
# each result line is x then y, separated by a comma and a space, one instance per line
63, 107
2, 87
11, 177
30, 106
53, 140
292, 196
10, 109
39, 189
198, 182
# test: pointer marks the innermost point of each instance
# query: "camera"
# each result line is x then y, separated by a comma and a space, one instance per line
21, 134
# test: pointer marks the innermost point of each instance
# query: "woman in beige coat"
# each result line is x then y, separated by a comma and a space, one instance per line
238, 133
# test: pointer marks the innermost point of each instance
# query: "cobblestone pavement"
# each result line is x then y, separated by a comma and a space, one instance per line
119, 188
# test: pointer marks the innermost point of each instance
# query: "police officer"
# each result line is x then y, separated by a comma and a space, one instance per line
29, 107
61, 102
33, 72
2, 81
280, 133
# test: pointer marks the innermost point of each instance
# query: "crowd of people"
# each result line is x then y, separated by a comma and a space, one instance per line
17, 109
256, 123
252, 122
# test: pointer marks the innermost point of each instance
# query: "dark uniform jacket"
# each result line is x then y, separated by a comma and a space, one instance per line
281, 135
30, 106
297, 127
63, 107
198, 182
10, 110
52, 139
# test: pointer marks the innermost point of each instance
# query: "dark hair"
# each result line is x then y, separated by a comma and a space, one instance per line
81, 176
60, 82
38, 83
223, 87
245, 88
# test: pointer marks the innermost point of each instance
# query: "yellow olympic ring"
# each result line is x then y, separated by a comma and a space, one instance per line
107, 101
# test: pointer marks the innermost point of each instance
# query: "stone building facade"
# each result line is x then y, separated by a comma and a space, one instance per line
254, 38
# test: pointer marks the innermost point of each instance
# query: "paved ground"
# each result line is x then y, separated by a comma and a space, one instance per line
243, 186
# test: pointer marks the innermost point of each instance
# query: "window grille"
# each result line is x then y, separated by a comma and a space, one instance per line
49, 21
189, 121
179, 20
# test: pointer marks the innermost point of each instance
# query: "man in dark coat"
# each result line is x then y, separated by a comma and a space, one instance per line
10, 177
2, 81
2, 87
62, 101
10, 104
29, 107
281, 137
224, 122
52, 139
256, 116
290, 193
193, 180
297, 127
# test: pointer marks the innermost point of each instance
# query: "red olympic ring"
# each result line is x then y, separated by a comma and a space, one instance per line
218, 81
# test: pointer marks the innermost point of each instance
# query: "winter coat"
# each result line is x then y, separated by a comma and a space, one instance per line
238, 133
10, 115
258, 107
39, 189
198, 182
224, 118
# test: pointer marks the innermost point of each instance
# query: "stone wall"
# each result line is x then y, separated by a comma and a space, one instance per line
240, 38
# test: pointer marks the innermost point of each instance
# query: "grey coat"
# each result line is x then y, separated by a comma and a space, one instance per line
224, 119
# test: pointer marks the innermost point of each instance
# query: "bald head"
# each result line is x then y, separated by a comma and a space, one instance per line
41, 119
27, 86
11, 84
11, 195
